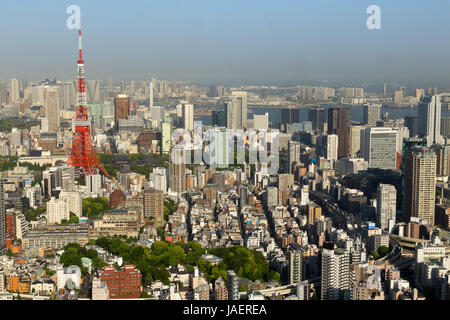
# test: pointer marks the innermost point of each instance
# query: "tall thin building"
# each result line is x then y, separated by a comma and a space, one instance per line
121, 108
51, 98
335, 277
294, 151
2, 219
177, 172
420, 183
236, 110
150, 93
232, 285
318, 117
386, 205
339, 123
429, 119
188, 116
371, 113
154, 206
14, 93
295, 263
290, 115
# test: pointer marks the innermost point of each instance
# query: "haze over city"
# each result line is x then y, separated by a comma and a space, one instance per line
231, 42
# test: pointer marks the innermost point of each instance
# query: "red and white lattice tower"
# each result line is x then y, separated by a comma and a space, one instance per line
82, 154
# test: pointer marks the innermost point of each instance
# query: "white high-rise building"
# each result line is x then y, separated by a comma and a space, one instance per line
335, 278
159, 178
188, 116
379, 147
236, 110
14, 93
329, 146
429, 115
386, 206
272, 196
51, 103
57, 210
74, 202
94, 183
372, 113
150, 93
2, 219
261, 121
294, 151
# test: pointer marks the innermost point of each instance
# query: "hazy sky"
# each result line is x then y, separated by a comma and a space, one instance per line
229, 41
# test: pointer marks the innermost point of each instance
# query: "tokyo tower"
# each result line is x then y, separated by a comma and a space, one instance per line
82, 154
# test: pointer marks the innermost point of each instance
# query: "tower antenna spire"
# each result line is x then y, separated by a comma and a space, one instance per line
80, 49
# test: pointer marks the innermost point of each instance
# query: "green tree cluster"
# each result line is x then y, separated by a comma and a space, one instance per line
95, 207
32, 214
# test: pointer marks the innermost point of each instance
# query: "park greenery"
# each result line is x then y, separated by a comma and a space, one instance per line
95, 207
134, 161
32, 214
73, 219
169, 208
153, 262
73, 253
6, 125
380, 253
9, 163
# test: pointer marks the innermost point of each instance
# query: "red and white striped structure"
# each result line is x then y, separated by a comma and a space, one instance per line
83, 155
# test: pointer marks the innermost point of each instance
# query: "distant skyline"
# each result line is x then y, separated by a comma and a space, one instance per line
230, 42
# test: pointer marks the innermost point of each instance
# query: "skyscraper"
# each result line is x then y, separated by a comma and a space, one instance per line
93, 91
188, 116
236, 110
2, 218
429, 119
177, 172
371, 113
335, 280
290, 115
154, 206
420, 183
166, 136
318, 117
14, 94
379, 147
386, 205
294, 151
150, 93
51, 101
295, 263
328, 146
339, 123
121, 108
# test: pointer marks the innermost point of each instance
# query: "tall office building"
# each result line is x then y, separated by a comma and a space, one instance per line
355, 145
57, 210
218, 118
339, 123
261, 122
2, 218
372, 113
295, 263
188, 116
318, 118
177, 172
442, 160
429, 119
386, 205
290, 115
93, 183
412, 123
51, 104
154, 206
150, 93
236, 110
4, 96
93, 91
328, 146
14, 93
110, 84
166, 135
420, 183
121, 108
294, 151
379, 147
335, 277
445, 127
